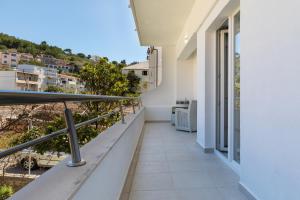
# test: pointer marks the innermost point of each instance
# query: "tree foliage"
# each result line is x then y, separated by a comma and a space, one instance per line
81, 55
104, 78
32, 62
24, 46
53, 88
5, 192
133, 83
60, 143
68, 51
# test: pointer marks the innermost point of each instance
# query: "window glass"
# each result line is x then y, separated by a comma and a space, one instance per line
237, 87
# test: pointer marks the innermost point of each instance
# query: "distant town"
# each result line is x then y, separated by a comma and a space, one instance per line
27, 66
33, 77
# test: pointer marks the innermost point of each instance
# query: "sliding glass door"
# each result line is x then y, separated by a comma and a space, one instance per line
222, 89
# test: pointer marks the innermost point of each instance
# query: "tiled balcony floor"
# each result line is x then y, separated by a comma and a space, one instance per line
171, 166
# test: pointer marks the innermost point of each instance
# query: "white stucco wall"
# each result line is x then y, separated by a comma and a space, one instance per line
108, 179
269, 167
158, 102
8, 80
270, 98
186, 43
185, 78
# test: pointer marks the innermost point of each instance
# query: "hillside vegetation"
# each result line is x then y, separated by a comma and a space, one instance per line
25, 46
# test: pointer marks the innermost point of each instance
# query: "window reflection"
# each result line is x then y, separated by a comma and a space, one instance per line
237, 87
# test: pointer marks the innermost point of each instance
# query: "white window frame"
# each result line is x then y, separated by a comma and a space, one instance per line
229, 159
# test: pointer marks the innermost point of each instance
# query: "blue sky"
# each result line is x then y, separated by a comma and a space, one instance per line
96, 27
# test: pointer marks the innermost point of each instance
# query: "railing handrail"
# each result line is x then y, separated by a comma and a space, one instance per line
21, 97
54, 134
10, 97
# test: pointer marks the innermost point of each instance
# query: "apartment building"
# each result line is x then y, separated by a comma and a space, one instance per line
9, 59
70, 84
12, 58
47, 76
15, 80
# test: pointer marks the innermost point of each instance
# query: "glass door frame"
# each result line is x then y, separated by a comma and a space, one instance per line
231, 88
221, 87
231, 46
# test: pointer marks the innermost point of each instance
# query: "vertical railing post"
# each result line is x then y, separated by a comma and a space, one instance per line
133, 107
121, 112
139, 104
140, 101
29, 157
73, 140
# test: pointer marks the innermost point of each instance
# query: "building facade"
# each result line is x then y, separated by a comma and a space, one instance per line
55, 63
70, 84
9, 59
47, 76
15, 80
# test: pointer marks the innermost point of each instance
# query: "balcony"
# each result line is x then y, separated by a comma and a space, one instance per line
135, 160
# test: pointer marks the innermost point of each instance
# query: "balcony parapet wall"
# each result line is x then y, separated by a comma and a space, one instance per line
108, 159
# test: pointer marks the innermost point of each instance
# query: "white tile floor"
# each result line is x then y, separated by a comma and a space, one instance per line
171, 166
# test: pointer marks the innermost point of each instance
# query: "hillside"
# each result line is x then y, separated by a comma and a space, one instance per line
24, 46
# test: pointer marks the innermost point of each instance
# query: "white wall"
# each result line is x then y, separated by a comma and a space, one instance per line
109, 177
185, 78
198, 14
8, 80
158, 102
270, 98
270, 95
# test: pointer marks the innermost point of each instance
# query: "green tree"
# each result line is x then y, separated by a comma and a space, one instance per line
43, 45
104, 78
81, 55
133, 83
68, 51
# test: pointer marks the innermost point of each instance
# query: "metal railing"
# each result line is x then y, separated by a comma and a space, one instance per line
21, 98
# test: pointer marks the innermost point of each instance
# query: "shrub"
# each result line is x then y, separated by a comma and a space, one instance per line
5, 192
56, 89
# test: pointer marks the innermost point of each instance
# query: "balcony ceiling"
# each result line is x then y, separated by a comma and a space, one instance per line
160, 22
